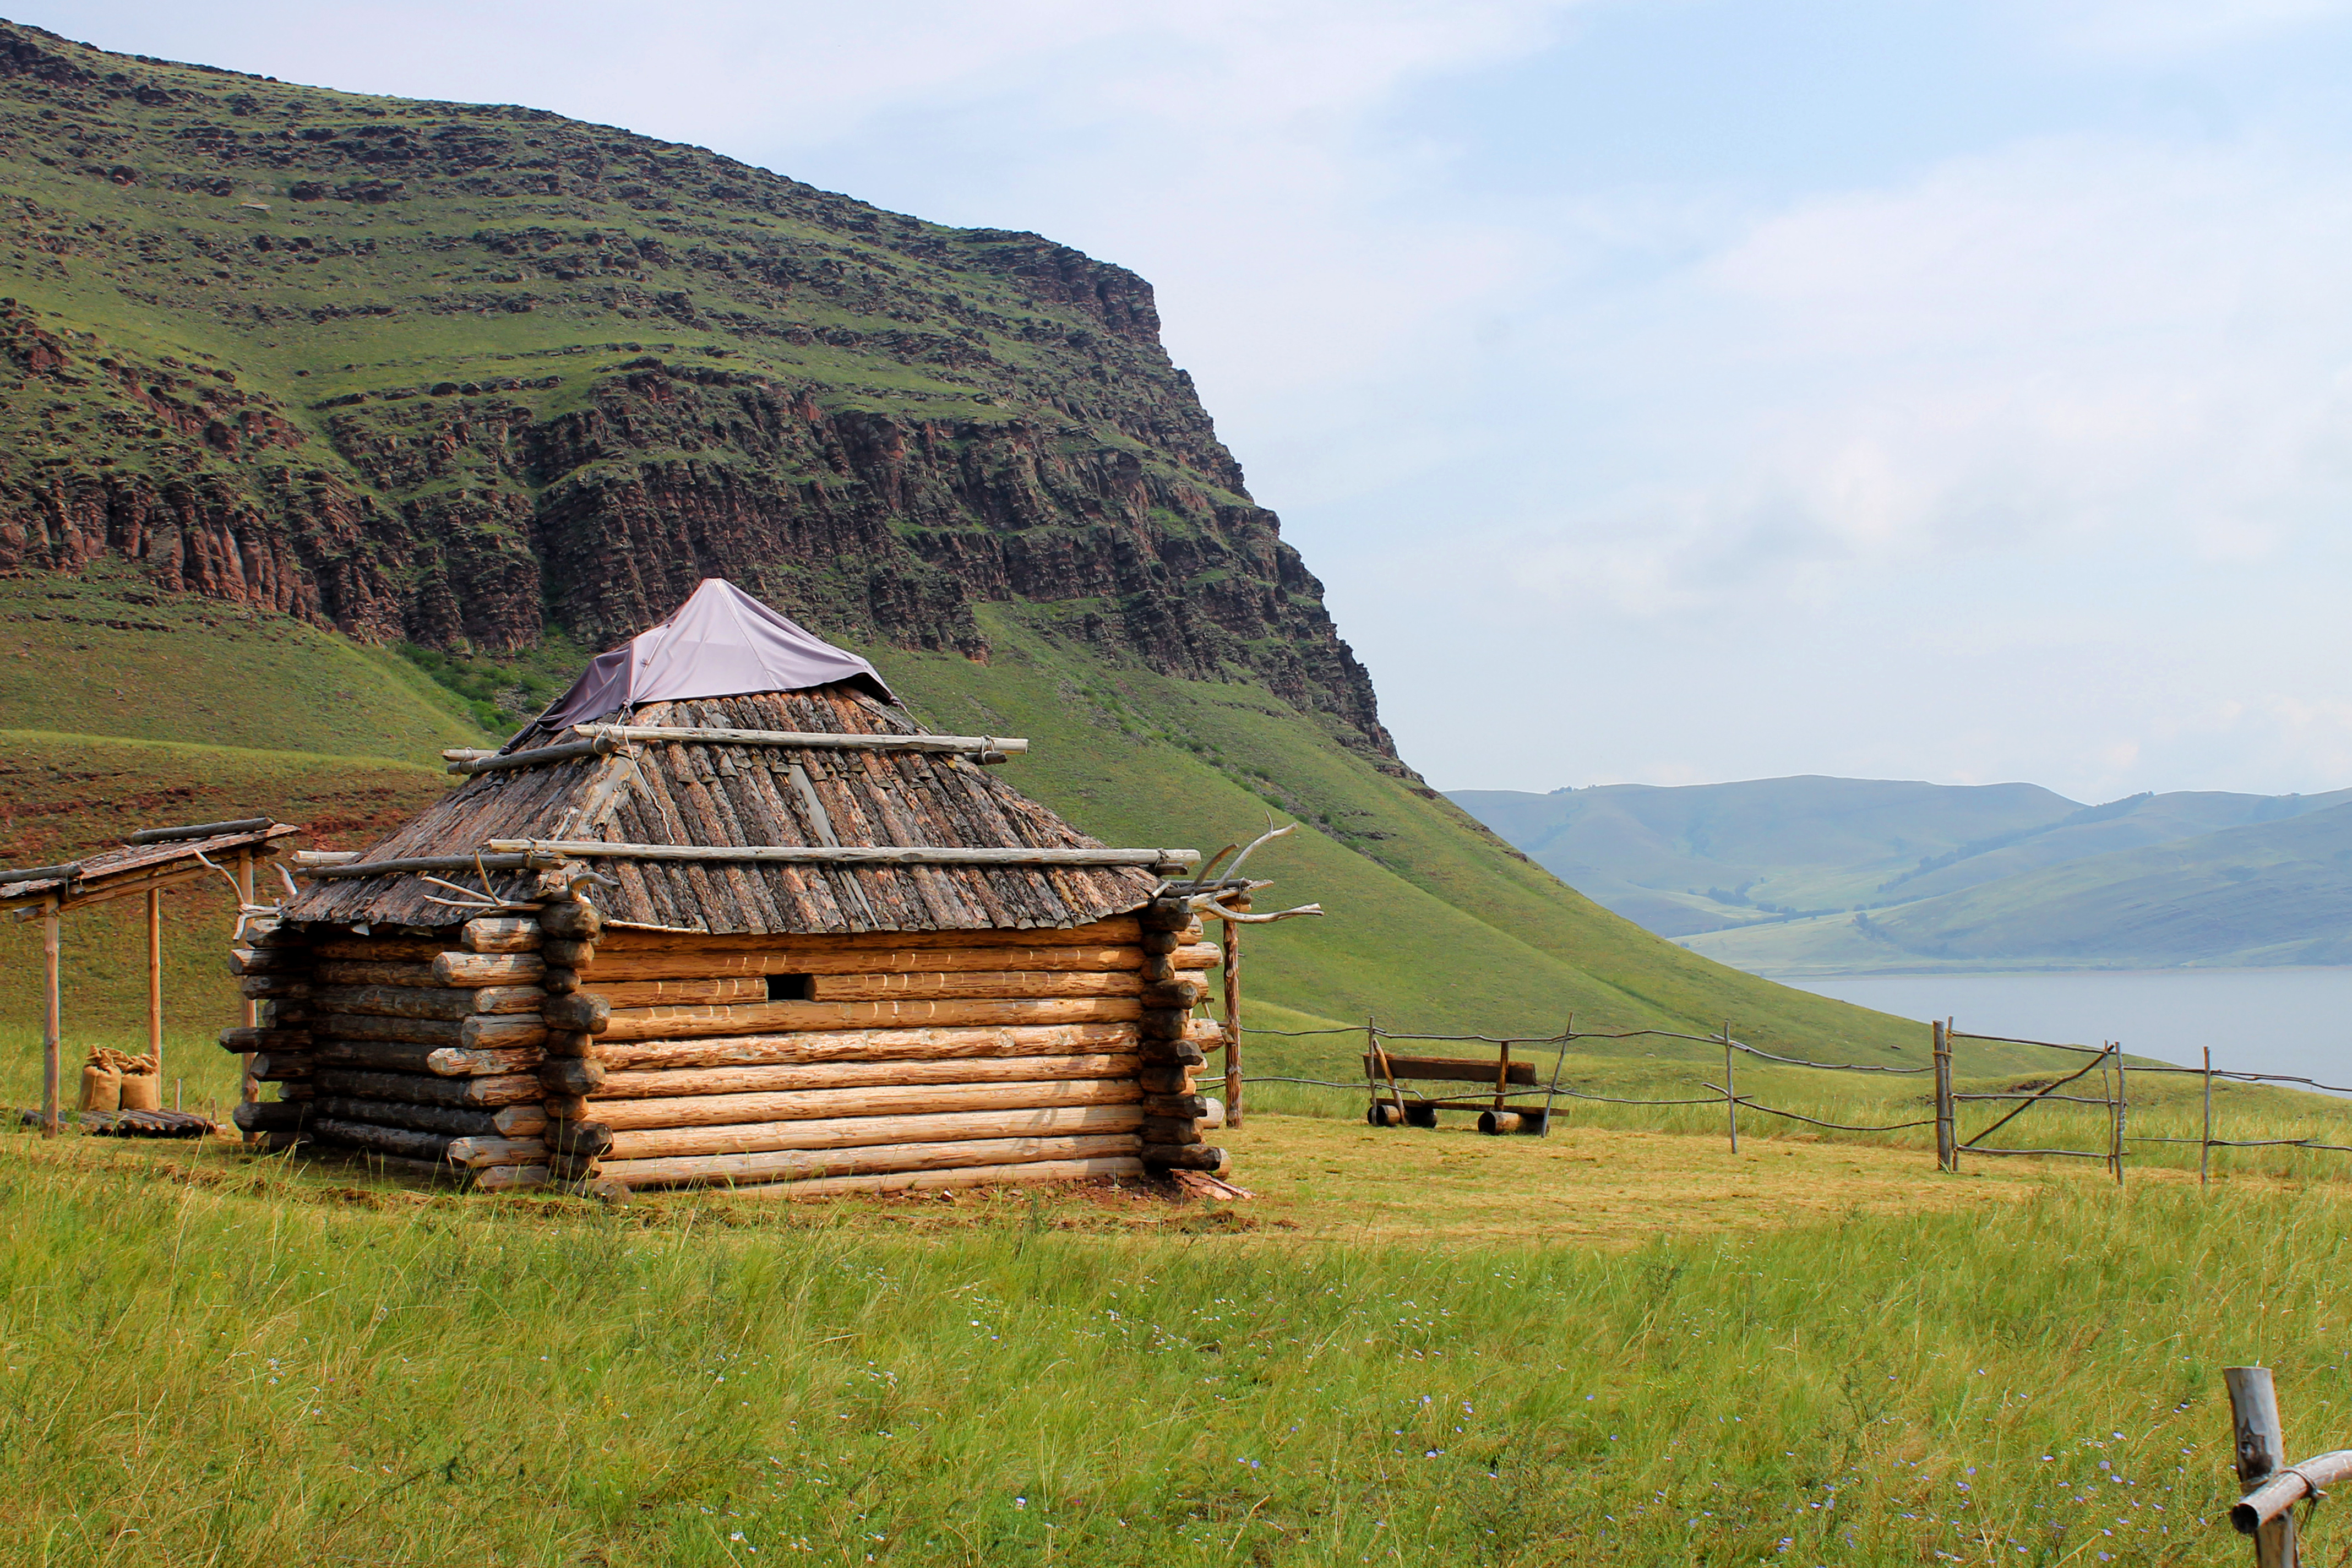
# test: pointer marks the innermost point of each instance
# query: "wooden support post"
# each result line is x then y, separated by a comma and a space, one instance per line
2205, 1144
1233, 1016
2123, 1112
1730, 1089
1387, 1069
155, 975
2114, 1063
1948, 1142
2260, 1449
51, 1019
249, 1086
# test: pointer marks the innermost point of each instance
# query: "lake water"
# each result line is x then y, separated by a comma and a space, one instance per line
2295, 1021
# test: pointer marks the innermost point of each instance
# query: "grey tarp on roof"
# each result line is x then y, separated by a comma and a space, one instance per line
722, 642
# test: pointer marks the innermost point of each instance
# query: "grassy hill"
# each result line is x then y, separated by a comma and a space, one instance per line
105, 653
2271, 893
1704, 857
1432, 924
64, 795
1819, 875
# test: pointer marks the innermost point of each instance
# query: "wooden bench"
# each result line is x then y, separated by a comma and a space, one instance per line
1502, 1105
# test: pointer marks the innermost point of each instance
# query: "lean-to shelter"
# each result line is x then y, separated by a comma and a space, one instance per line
723, 913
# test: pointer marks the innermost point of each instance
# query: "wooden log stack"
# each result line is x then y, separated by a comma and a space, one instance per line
1175, 1114
420, 1046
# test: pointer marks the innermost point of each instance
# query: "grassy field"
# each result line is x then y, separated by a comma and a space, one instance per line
106, 654
1606, 1346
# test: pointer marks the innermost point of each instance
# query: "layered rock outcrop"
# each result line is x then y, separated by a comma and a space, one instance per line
457, 373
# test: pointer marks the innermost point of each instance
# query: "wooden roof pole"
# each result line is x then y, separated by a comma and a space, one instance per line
50, 1018
248, 1088
806, 740
156, 976
1233, 976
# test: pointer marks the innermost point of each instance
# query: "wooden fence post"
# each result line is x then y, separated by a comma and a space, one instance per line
2123, 1111
51, 1019
1730, 1089
1234, 1019
249, 1086
1948, 1149
2205, 1146
2260, 1451
155, 977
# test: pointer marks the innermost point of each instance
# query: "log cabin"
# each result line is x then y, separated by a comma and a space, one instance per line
723, 914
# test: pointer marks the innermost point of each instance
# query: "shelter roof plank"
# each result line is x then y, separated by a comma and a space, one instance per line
725, 795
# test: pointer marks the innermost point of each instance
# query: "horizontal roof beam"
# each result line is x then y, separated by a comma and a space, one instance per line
822, 855
812, 739
526, 861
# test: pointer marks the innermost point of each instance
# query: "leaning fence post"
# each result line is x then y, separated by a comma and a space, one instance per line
1730, 1089
2205, 1145
2260, 1451
1947, 1153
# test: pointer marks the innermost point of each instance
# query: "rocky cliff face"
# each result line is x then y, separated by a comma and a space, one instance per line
457, 375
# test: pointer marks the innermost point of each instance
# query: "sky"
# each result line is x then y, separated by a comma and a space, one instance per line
1665, 391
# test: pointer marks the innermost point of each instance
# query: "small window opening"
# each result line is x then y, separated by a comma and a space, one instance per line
792, 987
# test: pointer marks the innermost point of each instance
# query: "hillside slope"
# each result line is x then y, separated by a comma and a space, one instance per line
502, 386
457, 373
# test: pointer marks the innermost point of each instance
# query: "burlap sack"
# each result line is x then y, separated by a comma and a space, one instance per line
101, 1088
142, 1091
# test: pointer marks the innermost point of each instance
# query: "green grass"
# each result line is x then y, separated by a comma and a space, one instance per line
208, 1361
107, 653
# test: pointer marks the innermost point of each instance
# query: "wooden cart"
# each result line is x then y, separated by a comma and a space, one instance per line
1505, 1105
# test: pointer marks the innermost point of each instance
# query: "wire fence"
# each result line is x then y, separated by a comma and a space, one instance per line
1506, 1103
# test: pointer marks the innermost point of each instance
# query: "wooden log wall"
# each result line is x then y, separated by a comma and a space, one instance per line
882, 1060
418, 1050
559, 1049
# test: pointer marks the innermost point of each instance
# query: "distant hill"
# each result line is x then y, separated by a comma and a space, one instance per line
1707, 857
2272, 893
1788, 876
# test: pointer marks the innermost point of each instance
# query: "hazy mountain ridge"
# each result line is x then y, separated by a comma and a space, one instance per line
2194, 877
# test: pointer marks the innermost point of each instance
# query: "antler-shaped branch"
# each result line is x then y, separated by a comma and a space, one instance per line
1208, 871
1212, 903
1235, 868
1209, 905
245, 912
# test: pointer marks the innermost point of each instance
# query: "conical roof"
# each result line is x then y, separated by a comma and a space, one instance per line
722, 642
723, 768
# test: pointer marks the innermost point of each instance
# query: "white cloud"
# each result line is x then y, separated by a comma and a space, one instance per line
2069, 345
2160, 27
